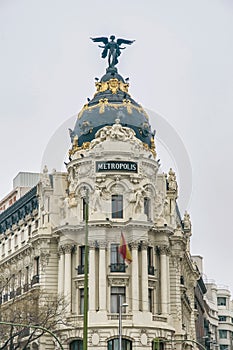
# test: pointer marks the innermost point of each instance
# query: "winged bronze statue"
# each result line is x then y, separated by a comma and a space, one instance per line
112, 48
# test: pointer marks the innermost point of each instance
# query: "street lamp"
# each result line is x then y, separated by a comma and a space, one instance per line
120, 320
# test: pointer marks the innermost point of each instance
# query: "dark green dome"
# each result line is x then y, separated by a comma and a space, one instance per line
111, 101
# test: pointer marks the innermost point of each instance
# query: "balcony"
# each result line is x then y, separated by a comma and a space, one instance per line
5, 298
12, 294
80, 269
35, 280
18, 291
117, 267
26, 287
151, 270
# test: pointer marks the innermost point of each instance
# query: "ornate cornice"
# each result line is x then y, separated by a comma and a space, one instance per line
119, 281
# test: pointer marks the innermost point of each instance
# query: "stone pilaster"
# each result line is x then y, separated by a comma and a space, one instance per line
61, 269
67, 280
135, 279
144, 269
164, 279
92, 277
102, 276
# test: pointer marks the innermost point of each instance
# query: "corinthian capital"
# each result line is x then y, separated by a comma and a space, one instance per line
67, 248
163, 250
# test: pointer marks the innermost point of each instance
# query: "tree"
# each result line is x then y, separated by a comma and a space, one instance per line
35, 307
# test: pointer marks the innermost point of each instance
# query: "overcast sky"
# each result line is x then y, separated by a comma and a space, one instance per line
180, 67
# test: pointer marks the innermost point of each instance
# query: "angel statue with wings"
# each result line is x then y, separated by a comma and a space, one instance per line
112, 48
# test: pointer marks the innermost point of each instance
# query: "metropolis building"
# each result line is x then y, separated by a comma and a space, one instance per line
112, 166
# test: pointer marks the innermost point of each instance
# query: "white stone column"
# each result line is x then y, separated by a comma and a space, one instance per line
135, 279
61, 268
92, 277
163, 279
102, 277
144, 284
68, 276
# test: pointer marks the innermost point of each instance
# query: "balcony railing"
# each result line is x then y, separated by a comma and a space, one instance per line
26, 287
18, 291
5, 297
117, 267
151, 270
12, 294
35, 279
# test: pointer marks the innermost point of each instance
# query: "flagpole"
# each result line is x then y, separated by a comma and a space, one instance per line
85, 321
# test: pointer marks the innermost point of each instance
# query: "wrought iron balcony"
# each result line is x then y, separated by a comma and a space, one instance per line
151, 270
18, 291
117, 267
80, 269
5, 297
12, 294
35, 279
26, 287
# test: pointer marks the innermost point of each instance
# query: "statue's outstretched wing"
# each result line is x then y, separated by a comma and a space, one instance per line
101, 39
124, 41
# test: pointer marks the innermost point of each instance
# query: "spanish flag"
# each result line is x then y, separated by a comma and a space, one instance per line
124, 250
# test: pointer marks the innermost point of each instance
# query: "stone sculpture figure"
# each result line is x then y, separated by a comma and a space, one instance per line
112, 48
187, 221
139, 200
96, 199
45, 177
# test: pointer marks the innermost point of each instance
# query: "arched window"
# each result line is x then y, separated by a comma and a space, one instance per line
157, 344
113, 344
76, 344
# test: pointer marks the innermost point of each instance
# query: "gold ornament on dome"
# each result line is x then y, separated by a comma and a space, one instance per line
103, 102
76, 148
152, 147
113, 85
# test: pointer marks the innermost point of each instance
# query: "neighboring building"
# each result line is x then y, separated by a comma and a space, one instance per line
225, 318
22, 183
211, 321
200, 305
42, 235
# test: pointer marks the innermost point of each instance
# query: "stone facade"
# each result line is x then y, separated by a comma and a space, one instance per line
43, 236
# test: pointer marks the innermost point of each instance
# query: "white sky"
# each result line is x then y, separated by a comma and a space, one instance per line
181, 66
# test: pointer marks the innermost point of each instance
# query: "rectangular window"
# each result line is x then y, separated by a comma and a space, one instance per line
223, 347
115, 300
222, 318
117, 206
84, 208
147, 207
151, 269
223, 334
81, 260
36, 265
150, 300
19, 278
26, 275
117, 261
81, 301
222, 301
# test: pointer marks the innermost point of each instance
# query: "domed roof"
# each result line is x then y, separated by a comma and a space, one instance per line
110, 102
